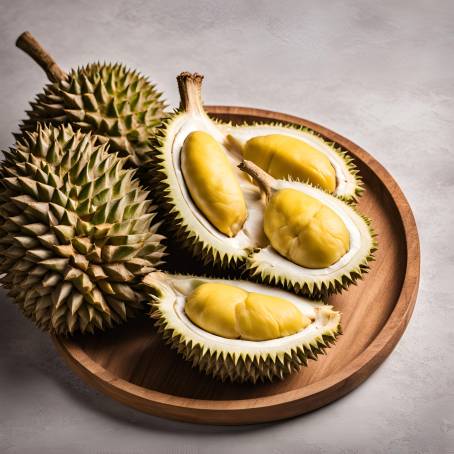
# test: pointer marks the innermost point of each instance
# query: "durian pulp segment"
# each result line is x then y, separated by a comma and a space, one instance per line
304, 230
346, 182
266, 262
231, 312
212, 182
172, 300
288, 158
252, 235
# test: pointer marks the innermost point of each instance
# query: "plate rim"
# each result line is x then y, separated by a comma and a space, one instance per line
307, 398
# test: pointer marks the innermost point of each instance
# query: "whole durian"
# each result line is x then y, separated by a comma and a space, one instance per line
76, 231
119, 105
237, 330
319, 246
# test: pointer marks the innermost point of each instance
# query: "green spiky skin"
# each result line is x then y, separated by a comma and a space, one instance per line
119, 105
76, 232
243, 369
235, 367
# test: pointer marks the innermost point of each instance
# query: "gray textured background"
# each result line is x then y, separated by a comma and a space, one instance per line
380, 73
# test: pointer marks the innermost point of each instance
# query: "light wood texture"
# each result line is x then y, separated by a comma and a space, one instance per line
133, 366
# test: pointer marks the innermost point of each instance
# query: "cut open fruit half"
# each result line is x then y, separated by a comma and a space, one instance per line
239, 330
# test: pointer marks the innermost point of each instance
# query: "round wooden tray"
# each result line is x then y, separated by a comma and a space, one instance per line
133, 366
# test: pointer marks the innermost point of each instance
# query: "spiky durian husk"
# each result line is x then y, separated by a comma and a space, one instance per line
229, 364
76, 232
244, 368
119, 105
315, 290
171, 211
357, 188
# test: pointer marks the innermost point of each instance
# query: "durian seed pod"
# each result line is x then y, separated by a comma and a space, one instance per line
239, 331
215, 211
77, 232
327, 240
118, 105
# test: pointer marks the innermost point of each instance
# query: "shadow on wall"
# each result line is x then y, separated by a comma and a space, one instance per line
28, 355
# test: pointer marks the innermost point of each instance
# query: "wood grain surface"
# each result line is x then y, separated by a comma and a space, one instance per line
133, 366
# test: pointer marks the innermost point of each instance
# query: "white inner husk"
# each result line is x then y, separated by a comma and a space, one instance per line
252, 235
177, 288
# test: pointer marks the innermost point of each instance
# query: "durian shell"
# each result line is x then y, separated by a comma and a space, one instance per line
77, 232
228, 365
169, 212
120, 106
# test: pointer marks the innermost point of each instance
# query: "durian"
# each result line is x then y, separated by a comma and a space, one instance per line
193, 199
77, 232
238, 330
117, 104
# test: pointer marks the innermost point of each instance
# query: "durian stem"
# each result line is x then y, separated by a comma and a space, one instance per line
264, 180
190, 87
33, 48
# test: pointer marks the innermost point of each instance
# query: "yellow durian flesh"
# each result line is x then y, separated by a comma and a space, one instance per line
304, 230
212, 183
211, 306
283, 156
234, 313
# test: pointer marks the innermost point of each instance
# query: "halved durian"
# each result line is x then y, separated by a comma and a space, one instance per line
318, 244
222, 242
239, 330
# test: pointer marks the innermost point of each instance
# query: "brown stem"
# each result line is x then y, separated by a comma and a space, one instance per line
264, 180
32, 47
190, 87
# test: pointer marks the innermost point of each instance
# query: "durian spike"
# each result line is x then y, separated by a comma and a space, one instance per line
265, 181
190, 88
28, 43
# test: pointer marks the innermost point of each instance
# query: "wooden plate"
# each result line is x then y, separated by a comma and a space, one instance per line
131, 364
